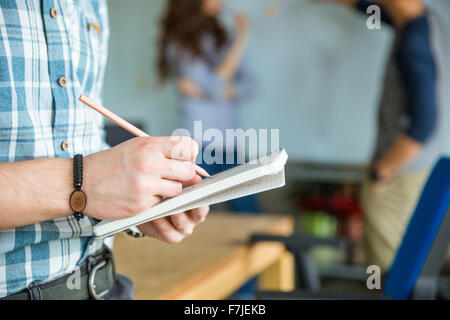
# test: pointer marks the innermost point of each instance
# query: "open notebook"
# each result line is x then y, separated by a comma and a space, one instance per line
256, 176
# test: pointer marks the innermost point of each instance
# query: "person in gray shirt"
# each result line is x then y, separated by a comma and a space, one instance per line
409, 138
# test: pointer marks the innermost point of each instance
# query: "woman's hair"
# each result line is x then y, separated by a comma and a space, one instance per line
183, 25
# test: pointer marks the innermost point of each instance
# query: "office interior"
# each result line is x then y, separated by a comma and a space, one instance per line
319, 72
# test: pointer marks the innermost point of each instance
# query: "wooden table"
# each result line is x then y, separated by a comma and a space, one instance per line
212, 263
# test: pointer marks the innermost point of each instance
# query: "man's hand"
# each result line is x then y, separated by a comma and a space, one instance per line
135, 175
119, 183
175, 228
402, 151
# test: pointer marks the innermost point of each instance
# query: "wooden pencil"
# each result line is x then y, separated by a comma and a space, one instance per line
125, 124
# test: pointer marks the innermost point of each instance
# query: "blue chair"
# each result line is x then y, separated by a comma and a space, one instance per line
415, 271
421, 255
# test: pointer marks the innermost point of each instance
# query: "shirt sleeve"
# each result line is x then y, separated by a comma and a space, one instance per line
362, 6
417, 65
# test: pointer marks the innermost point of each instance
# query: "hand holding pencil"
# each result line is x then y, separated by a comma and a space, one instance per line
126, 125
136, 175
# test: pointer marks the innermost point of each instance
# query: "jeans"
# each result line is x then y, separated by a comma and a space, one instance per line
122, 289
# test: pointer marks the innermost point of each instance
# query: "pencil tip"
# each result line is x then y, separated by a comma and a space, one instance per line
202, 172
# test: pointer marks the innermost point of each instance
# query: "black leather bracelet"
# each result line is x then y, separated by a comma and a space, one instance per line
78, 197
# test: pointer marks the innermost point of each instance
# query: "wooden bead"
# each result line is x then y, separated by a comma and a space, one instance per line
78, 201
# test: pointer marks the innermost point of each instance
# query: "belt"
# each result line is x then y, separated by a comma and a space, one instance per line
91, 280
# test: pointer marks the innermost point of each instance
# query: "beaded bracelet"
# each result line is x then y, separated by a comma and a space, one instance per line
78, 197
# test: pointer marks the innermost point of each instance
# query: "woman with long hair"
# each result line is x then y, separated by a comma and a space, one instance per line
206, 63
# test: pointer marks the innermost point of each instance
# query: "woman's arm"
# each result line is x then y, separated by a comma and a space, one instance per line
228, 67
199, 82
197, 79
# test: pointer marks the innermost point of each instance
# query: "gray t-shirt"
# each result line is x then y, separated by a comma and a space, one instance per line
392, 117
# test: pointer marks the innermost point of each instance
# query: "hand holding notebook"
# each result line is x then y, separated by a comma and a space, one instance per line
257, 176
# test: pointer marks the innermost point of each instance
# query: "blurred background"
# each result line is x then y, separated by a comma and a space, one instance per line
319, 73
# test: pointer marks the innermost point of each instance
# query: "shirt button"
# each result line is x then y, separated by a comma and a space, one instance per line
53, 13
62, 82
64, 146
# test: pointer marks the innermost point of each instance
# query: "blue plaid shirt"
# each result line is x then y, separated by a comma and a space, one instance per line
43, 43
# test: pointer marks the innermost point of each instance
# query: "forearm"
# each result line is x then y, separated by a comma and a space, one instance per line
402, 151
34, 191
230, 64
402, 12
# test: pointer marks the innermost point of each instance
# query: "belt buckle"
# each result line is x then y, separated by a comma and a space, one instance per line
91, 281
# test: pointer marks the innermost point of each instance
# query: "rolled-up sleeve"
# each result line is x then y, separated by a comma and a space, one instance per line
417, 65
